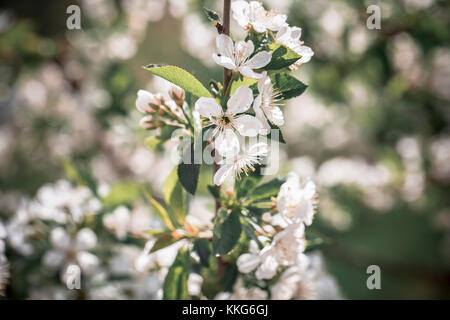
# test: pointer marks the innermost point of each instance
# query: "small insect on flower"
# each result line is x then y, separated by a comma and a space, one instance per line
236, 57
244, 162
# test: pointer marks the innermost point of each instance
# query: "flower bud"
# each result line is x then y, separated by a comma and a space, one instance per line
177, 94
144, 100
147, 123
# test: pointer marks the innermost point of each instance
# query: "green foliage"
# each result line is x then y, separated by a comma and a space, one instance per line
202, 247
282, 57
181, 78
247, 184
188, 173
287, 85
229, 277
266, 191
121, 193
175, 197
163, 240
161, 211
175, 283
227, 230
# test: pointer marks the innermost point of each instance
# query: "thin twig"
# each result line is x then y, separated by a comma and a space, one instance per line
226, 77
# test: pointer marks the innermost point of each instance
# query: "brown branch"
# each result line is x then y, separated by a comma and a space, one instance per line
225, 29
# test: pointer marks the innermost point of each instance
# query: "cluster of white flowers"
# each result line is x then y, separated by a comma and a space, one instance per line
253, 15
296, 203
233, 117
62, 202
72, 250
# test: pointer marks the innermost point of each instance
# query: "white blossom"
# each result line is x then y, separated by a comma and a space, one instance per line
72, 250
266, 104
296, 200
253, 15
146, 99
118, 221
226, 122
290, 37
238, 163
236, 57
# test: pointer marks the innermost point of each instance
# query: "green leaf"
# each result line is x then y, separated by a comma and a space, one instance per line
160, 211
227, 230
202, 247
212, 15
214, 191
181, 78
247, 82
155, 233
246, 184
123, 192
287, 85
188, 171
282, 57
229, 277
175, 197
175, 284
163, 240
278, 137
266, 190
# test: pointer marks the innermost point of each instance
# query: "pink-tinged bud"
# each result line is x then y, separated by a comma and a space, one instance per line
144, 101
177, 94
147, 123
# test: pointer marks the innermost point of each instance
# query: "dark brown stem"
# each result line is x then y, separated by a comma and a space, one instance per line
226, 75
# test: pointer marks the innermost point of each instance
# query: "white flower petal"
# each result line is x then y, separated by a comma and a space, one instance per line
208, 107
249, 73
87, 261
240, 101
248, 262
53, 258
60, 238
258, 149
275, 115
221, 174
306, 53
248, 125
244, 50
86, 239
143, 101
227, 143
296, 33
260, 116
268, 268
240, 9
223, 61
224, 45
277, 22
259, 60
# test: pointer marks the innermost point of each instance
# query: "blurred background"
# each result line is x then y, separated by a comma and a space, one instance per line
372, 130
